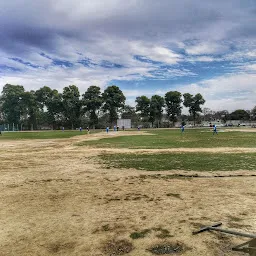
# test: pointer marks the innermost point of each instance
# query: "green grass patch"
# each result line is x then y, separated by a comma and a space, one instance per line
142, 234
182, 161
160, 233
172, 138
40, 135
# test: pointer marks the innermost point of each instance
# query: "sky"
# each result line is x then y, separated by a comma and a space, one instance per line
145, 47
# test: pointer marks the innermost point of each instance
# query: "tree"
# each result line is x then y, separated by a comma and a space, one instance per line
113, 100
11, 102
143, 106
193, 103
222, 115
92, 102
156, 109
173, 105
31, 106
50, 101
253, 113
239, 114
72, 105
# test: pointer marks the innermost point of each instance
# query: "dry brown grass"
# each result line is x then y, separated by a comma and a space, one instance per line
57, 199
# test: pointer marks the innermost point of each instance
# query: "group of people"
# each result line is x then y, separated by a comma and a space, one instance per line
80, 129
116, 128
182, 128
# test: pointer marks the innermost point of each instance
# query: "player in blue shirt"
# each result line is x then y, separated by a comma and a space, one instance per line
215, 129
182, 128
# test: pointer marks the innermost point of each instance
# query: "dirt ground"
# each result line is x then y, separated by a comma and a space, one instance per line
58, 199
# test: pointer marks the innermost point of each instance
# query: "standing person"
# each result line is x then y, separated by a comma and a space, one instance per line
63, 128
80, 129
123, 127
117, 128
215, 129
182, 128
88, 129
107, 129
114, 128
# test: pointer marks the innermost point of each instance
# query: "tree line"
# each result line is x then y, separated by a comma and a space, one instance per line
47, 107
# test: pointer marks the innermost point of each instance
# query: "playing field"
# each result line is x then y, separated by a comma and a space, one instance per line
134, 193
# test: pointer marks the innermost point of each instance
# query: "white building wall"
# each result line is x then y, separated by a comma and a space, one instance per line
127, 123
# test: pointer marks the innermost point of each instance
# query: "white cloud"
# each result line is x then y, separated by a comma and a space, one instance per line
226, 92
202, 59
206, 48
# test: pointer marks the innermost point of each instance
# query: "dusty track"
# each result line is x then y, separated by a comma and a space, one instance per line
57, 199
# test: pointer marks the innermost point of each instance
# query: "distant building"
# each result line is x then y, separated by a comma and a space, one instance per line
127, 123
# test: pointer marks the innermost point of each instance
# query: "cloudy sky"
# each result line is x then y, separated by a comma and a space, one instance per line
145, 47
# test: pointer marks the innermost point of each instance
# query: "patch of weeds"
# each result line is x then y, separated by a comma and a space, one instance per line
174, 195
117, 247
142, 234
160, 233
163, 233
166, 248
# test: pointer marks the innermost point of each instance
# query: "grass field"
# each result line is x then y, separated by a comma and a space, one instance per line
127, 193
167, 138
182, 161
40, 135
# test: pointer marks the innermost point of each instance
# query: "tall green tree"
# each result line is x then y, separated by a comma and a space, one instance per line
156, 109
113, 101
51, 102
31, 106
92, 101
240, 114
253, 113
143, 106
173, 105
12, 103
72, 105
193, 103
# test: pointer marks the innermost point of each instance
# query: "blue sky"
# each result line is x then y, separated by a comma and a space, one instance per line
145, 47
